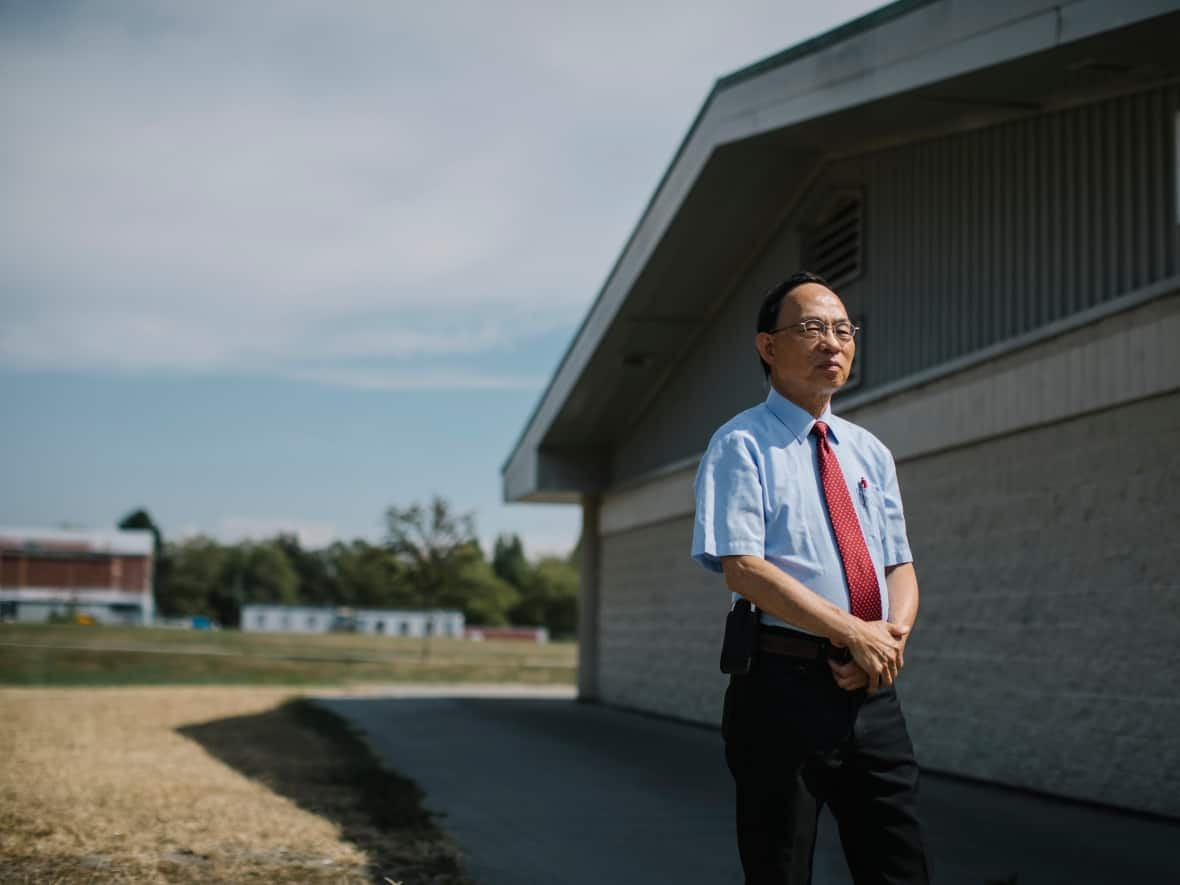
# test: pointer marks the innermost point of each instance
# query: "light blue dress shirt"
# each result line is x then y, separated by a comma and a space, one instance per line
758, 493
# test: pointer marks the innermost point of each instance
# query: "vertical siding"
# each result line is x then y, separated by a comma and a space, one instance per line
972, 239
981, 236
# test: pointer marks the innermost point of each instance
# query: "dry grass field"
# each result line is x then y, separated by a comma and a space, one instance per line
147, 756
210, 784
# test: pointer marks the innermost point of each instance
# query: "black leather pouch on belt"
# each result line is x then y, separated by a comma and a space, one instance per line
741, 639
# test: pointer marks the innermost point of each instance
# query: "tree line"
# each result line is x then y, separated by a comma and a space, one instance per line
429, 558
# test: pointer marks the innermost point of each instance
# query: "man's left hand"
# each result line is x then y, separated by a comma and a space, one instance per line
851, 677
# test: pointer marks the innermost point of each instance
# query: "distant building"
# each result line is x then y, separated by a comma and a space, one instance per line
325, 619
539, 635
104, 575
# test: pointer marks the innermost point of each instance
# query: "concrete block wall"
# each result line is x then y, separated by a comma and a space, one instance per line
660, 624
1045, 655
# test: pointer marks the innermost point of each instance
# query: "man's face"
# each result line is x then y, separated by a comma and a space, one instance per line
803, 368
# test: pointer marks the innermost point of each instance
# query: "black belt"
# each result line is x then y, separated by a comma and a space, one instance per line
793, 644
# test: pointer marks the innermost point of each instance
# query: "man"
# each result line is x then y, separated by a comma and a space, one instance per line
801, 511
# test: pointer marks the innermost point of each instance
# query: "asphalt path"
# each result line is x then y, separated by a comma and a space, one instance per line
538, 789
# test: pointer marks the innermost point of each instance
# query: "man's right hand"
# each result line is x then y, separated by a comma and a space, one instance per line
877, 647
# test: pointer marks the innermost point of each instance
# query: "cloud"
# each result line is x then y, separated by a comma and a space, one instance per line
194, 338
207, 187
429, 379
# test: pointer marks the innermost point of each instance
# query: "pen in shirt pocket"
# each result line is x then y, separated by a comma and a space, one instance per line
863, 485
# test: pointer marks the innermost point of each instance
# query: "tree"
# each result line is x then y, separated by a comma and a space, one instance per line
363, 574
311, 567
479, 592
227, 598
197, 569
432, 544
141, 519
267, 574
508, 561
442, 563
549, 597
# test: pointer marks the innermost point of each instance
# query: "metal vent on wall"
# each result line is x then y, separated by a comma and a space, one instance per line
835, 247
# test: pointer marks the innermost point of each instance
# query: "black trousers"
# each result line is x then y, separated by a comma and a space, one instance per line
795, 741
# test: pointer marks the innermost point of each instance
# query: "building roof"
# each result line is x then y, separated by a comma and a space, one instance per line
255, 607
127, 542
911, 69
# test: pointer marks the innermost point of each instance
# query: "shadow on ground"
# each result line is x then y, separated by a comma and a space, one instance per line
310, 756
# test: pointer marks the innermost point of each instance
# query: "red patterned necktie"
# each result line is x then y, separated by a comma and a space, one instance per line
863, 590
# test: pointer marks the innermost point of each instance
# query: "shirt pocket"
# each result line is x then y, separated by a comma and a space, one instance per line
871, 507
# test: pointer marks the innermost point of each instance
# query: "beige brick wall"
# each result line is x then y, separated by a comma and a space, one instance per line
1047, 643
1046, 650
660, 623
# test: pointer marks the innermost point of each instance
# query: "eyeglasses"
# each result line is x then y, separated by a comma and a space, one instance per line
813, 330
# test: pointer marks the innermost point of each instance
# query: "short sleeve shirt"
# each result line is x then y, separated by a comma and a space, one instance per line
758, 493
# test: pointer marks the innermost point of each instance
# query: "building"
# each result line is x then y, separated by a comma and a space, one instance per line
325, 619
103, 575
992, 188
539, 635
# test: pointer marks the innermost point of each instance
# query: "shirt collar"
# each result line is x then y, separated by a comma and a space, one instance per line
797, 419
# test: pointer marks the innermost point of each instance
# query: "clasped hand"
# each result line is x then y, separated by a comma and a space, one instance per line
878, 654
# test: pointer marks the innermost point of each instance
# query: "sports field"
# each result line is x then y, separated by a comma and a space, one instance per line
35, 654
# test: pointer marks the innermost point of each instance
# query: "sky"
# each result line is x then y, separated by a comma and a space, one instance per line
272, 265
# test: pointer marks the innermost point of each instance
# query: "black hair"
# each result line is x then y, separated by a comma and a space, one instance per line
768, 313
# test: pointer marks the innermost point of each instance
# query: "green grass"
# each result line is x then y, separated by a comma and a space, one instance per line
35, 654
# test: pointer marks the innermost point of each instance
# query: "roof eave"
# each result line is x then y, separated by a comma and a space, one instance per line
956, 42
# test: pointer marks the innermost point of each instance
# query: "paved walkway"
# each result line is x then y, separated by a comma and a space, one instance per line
540, 790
